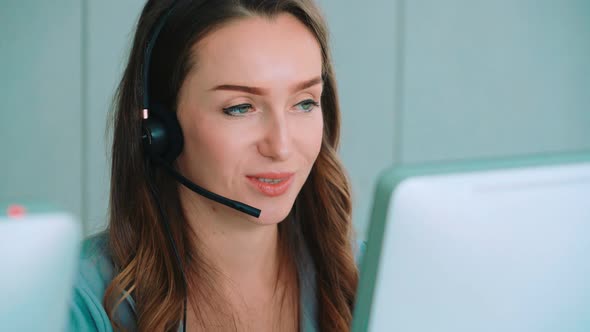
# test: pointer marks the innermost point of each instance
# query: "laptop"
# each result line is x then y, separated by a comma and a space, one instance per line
479, 246
38, 259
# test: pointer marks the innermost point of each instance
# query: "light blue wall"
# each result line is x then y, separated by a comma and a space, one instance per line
109, 27
40, 110
492, 78
366, 59
419, 81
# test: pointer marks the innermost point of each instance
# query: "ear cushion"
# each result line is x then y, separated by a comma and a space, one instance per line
163, 132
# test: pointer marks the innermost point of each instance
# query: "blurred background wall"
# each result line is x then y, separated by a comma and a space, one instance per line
419, 81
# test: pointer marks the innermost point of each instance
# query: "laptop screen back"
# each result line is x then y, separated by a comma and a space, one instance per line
38, 255
496, 250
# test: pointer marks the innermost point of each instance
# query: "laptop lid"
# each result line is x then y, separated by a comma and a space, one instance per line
488, 246
38, 255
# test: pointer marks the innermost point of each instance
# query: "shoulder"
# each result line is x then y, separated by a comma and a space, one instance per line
95, 272
95, 264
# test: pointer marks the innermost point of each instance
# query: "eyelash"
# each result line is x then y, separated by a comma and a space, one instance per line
230, 110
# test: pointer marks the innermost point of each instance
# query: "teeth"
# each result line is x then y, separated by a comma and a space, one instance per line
273, 181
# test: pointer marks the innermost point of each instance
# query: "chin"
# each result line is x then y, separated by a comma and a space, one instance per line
272, 216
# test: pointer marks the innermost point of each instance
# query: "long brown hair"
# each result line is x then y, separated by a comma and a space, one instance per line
146, 268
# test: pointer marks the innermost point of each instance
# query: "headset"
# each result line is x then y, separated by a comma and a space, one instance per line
162, 135
162, 142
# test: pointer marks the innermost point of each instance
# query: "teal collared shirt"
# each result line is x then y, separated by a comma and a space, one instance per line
96, 272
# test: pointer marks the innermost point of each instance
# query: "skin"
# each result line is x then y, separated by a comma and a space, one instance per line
278, 133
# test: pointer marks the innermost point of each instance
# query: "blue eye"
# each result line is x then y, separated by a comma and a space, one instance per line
307, 105
237, 110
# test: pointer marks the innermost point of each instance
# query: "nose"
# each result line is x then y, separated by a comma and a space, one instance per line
276, 141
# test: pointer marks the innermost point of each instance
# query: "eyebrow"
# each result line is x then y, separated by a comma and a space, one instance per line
262, 91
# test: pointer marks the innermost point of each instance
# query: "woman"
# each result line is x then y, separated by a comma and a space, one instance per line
251, 85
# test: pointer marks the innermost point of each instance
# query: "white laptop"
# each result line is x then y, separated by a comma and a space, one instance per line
38, 258
489, 246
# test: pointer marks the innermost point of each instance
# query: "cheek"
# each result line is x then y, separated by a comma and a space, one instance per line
205, 143
311, 139
209, 146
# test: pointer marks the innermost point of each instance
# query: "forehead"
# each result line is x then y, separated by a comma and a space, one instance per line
259, 50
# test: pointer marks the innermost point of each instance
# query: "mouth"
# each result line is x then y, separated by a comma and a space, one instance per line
271, 184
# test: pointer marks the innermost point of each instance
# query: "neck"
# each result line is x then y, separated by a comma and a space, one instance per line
240, 249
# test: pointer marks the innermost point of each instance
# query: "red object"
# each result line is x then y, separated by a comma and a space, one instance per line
16, 211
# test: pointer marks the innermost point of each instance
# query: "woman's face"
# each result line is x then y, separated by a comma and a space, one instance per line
250, 114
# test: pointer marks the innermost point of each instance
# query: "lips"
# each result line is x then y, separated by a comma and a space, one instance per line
271, 184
